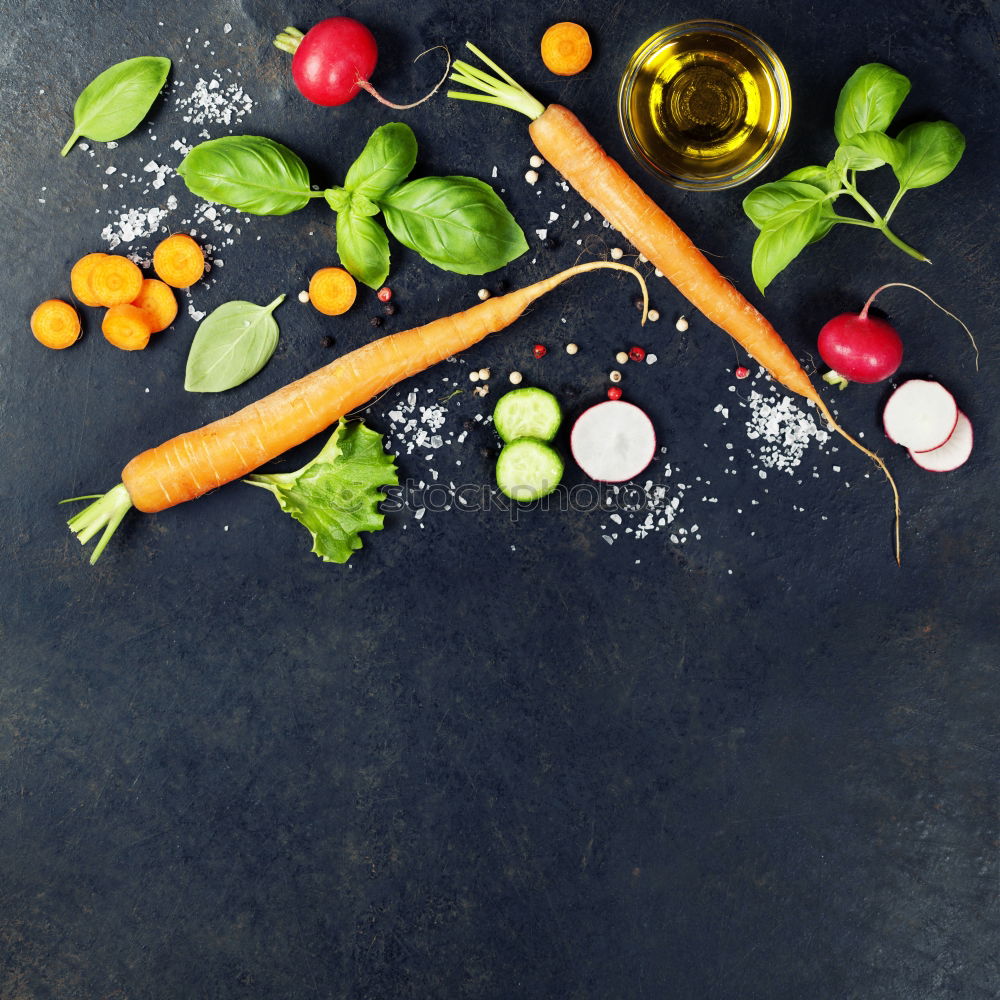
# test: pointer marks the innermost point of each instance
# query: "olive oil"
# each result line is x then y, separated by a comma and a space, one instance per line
706, 106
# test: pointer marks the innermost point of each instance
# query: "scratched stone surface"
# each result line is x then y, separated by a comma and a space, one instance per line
496, 756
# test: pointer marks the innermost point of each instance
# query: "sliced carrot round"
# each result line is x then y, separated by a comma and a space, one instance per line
332, 291
127, 327
179, 261
55, 324
158, 302
79, 278
566, 48
115, 281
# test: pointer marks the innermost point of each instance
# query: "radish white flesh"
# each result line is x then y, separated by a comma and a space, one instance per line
920, 415
953, 453
613, 441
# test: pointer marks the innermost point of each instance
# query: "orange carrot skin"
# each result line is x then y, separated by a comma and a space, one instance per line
565, 143
191, 464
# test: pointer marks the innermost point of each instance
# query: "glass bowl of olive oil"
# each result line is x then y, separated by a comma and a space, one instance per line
704, 104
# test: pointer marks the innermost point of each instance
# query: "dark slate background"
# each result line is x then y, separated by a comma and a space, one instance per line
456, 770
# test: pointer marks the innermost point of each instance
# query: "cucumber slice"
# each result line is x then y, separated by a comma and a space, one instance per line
527, 413
528, 469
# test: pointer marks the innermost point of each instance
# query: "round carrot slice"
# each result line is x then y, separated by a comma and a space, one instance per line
127, 327
566, 48
179, 261
115, 281
332, 291
158, 302
55, 324
79, 278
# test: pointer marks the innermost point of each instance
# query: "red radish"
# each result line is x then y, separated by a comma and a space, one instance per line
860, 348
865, 349
613, 441
920, 415
333, 61
953, 453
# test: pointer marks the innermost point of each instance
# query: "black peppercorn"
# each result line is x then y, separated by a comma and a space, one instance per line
328, 342
376, 320
550, 243
389, 309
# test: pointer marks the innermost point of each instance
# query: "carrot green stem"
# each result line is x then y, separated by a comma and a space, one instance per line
502, 90
289, 40
105, 513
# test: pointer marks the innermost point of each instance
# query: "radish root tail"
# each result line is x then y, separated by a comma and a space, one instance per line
368, 88
903, 284
876, 459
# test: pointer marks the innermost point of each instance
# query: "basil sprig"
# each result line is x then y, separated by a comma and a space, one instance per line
798, 209
456, 223
116, 101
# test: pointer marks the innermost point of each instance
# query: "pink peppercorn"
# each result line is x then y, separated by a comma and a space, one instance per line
742, 371
636, 354
614, 392
384, 294
539, 350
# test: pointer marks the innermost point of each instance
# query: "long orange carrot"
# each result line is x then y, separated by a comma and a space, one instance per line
565, 143
191, 464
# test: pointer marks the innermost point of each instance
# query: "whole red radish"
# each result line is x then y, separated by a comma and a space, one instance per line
333, 61
865, 349
860, 348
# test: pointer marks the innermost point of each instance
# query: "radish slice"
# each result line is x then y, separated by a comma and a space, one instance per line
953, 453
920, 415
613, 441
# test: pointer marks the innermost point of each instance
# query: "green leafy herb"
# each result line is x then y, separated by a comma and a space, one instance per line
363, 248
231, 346
931, 151
869, 101
336, 495
456, 223
798, 210
117, 100
387, 159
256, 175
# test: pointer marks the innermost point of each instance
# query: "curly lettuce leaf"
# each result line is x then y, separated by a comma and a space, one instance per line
336, 495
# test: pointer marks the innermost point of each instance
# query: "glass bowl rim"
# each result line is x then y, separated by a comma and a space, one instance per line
761, 48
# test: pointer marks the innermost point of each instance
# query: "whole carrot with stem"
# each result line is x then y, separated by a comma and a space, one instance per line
565, 143
191, 464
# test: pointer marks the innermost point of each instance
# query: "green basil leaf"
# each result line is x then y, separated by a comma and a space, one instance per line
231, 345
456, 223
338, 199
820, 177
387, 159
256, 175
363, 248
361, 205
777, 247
117, 100
869, 101
774, 204
337, 495
867, 151
931, 151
